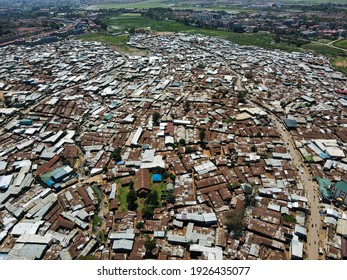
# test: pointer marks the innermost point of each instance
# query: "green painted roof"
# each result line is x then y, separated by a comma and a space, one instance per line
324, 187
108, 117
308, 158
341, 186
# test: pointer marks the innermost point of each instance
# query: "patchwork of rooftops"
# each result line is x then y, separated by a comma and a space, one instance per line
70, 106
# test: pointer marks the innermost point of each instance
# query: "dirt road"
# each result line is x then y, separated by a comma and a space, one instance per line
311, 188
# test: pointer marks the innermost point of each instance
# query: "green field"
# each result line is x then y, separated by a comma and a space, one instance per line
341, 44
146, 4
324, 50
104, 38
126, 21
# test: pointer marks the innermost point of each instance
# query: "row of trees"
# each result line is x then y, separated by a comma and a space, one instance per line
132, 198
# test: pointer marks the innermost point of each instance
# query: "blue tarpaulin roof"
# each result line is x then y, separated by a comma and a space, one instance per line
156, 178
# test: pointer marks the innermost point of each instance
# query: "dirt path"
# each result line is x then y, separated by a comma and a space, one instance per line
330, 44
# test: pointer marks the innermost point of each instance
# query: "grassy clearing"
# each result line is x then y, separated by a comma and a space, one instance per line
340, 63
103, 37
161, 189
324, 50
341, 44
119, 42
122, 193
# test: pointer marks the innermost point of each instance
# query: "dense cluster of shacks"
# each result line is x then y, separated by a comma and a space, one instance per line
69, 107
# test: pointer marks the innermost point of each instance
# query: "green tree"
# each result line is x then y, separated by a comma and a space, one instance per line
169, 175
189, 150
156, 117
235, 222
150, 246
187, 106
158, 170
288, 218
250, 194
241, 97
140, 225
96, 222
131, 184
170, 198
152, 199
202, 135
182, 142
116, 154
131, 200
147, 212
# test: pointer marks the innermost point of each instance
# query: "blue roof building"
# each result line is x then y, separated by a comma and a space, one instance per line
26, 122
290, 124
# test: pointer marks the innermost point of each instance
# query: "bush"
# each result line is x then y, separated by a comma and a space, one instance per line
288, 218
182, 142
